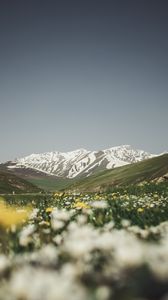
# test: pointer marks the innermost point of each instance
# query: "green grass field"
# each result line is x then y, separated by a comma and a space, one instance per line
51, 184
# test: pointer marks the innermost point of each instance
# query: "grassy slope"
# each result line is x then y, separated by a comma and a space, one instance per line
51, 184
37, 178
9, 183
135, 173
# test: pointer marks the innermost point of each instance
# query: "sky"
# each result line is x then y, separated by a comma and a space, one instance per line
83, 74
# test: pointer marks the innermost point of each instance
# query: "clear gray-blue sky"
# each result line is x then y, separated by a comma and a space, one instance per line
83, 74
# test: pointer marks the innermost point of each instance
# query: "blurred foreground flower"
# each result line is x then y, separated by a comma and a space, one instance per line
10, 216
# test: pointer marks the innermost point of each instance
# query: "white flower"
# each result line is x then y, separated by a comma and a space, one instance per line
25, 236
99, 204
125, 223
58, 239
4, 263
57, 224
79, 240
102, 293
61, 215
38, 284
34, 213
46, 256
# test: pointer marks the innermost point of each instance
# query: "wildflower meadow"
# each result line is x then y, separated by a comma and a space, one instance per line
87, 246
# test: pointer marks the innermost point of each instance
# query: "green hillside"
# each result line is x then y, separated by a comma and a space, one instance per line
10, 183
147, 170
39, 179
51, 183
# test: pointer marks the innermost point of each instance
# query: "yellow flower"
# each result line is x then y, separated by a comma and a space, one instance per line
49, 209
77, 199
140, 209
10, 216
58, 194
47, 223
80, 205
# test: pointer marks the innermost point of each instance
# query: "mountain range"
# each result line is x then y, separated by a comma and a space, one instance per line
83, 170
79, 163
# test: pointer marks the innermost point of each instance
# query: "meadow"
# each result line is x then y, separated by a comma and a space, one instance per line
87, 246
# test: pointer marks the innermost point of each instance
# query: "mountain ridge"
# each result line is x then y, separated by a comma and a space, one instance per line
80, 162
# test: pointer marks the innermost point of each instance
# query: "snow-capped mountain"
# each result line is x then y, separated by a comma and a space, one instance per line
80, 162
